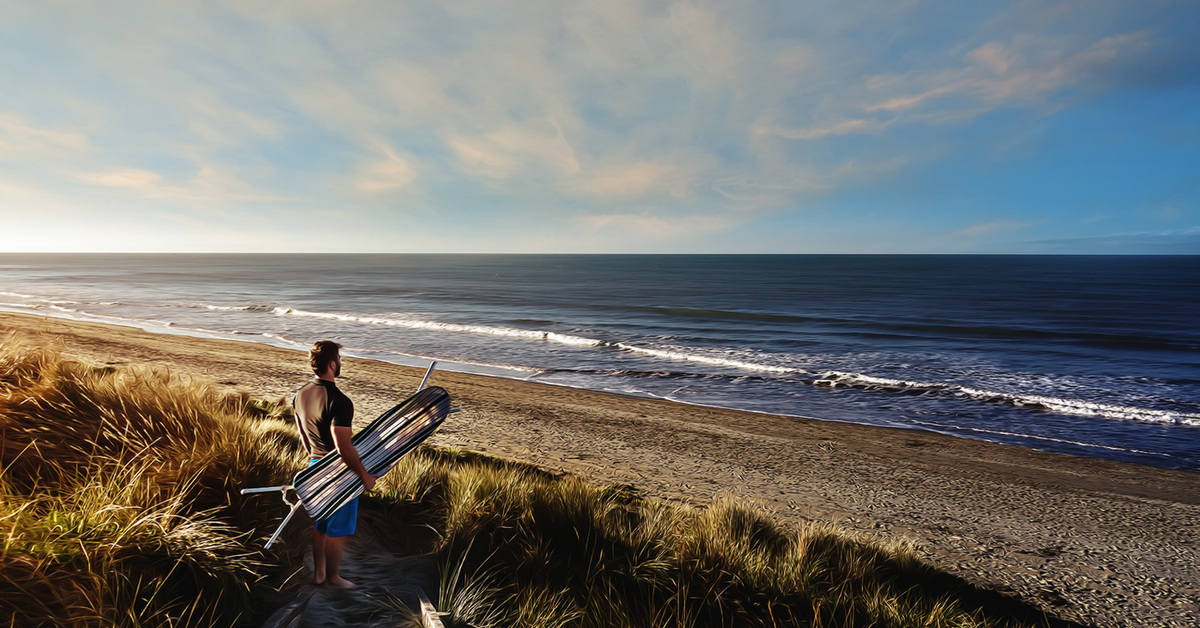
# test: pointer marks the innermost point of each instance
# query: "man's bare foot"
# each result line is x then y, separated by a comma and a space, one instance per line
316, 582
338, 582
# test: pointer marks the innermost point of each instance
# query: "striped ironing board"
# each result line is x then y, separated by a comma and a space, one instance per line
328, 484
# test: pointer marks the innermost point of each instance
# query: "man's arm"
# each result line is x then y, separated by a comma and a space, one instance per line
345, 449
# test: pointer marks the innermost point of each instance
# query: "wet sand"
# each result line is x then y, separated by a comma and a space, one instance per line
1099, 542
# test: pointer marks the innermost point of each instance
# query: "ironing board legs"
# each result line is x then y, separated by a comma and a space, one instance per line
279, 530
283, 495
266, 489
425, 380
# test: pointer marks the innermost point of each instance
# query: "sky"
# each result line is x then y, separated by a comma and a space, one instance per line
610, 126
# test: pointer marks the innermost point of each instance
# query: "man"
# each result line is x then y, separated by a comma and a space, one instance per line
323, 416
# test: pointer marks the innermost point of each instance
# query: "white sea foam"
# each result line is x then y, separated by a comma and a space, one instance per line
1052, 404
76, 314
284, 339
239, 308
42, 299
25, 306
674, 354
1045, 438
213, 332
422, 360
41, 302
858, 380
1088, 408
508, 332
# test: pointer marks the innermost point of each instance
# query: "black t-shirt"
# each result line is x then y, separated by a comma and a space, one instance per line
320, 406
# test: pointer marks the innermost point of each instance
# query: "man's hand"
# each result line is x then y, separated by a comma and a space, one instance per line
345, 447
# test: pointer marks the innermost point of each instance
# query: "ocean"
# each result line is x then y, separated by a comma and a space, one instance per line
1095, 356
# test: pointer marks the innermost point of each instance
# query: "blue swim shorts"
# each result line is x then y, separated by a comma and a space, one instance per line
343, 520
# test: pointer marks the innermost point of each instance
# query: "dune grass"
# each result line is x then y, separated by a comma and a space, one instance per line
523, 547
119, 507
118, 501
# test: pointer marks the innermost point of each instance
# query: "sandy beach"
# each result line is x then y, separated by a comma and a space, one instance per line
1098, 542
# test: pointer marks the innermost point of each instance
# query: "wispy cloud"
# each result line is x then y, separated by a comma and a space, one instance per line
516, 150
21, 138
844, 127
990, 228
1173, 242
1019, 72
388, 172
649, 227
635, 180
209, 186
131, 178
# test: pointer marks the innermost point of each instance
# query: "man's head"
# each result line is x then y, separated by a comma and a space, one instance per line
322, 355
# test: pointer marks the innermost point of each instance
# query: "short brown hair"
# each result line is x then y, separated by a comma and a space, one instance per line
321, 354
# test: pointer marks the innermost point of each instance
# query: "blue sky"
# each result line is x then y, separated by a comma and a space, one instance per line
609, 126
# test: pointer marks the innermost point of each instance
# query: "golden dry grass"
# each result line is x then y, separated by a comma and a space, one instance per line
118, 502
523, 547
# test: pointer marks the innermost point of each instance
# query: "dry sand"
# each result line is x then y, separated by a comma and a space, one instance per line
1102, 543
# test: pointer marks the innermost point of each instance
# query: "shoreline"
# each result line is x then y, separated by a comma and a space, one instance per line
1096, 541
511, 373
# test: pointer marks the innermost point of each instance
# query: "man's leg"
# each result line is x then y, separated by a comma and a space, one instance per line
333, 560
320, 551
339, 526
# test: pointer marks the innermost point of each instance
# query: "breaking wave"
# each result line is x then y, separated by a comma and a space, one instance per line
670, 353
241, 308
508, 332
683, 355
836, 379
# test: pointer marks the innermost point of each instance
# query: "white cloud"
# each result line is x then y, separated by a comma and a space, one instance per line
1022, 72
17, 195
992, 56
337, 106
416, 91
706, 44
633, 180
219, 123
212, 186
990, 228
389, 173
752, 192
645, 226
796, 59
125, 178
516, 150
21, 139
844, 127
